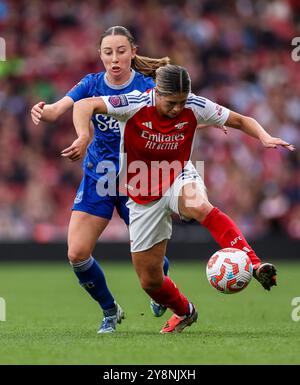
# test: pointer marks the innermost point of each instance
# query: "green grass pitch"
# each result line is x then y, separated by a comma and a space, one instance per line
51, 320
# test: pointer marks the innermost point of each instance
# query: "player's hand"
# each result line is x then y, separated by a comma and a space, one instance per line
271, 142
77, 149
223, 128
36, 112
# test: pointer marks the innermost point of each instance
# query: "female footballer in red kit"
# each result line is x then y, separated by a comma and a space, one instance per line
158, 127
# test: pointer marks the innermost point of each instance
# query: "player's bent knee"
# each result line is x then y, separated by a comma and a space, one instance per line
150, 284
200, 211
79, 255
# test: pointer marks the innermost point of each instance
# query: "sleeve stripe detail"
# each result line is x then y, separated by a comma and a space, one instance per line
190, 103
137, 98
198, 98
140, 102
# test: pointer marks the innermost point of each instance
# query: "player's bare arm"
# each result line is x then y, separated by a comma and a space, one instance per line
251, 127
202, 126
50, 112
83, 111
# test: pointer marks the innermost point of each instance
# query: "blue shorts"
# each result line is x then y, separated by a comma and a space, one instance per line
90, 202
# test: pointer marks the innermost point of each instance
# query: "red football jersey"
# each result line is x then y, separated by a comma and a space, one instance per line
154, 149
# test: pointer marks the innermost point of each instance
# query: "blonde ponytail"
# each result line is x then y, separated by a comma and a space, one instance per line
147, 65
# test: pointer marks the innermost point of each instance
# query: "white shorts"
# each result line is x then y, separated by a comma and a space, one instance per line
152, 223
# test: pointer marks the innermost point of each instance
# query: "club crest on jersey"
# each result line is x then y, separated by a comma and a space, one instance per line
78, 197
180, 125
118, 101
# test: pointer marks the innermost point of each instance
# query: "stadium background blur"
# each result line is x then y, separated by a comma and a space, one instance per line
238, 53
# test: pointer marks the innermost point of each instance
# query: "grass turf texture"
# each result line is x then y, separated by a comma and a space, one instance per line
51, 320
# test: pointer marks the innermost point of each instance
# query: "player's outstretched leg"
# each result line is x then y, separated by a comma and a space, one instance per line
176, 324
157, 309
227, 234
266, 275
112, 317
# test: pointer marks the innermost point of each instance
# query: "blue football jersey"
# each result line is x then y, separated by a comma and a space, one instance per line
106, 141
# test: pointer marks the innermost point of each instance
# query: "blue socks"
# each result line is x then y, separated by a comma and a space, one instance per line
92, 278
166, 265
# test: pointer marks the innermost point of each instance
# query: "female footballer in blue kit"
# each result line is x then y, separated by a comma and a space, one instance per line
125, 72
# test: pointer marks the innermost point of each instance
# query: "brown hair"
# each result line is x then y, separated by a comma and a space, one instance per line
143, 64
172, 79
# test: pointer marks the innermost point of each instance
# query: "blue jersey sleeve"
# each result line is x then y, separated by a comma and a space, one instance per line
82, 89
150, 83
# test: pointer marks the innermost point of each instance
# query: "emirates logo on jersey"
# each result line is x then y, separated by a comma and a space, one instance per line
158, 141
158, 137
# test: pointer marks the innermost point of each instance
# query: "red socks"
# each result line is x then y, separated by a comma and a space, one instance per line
227, 234
170, 296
